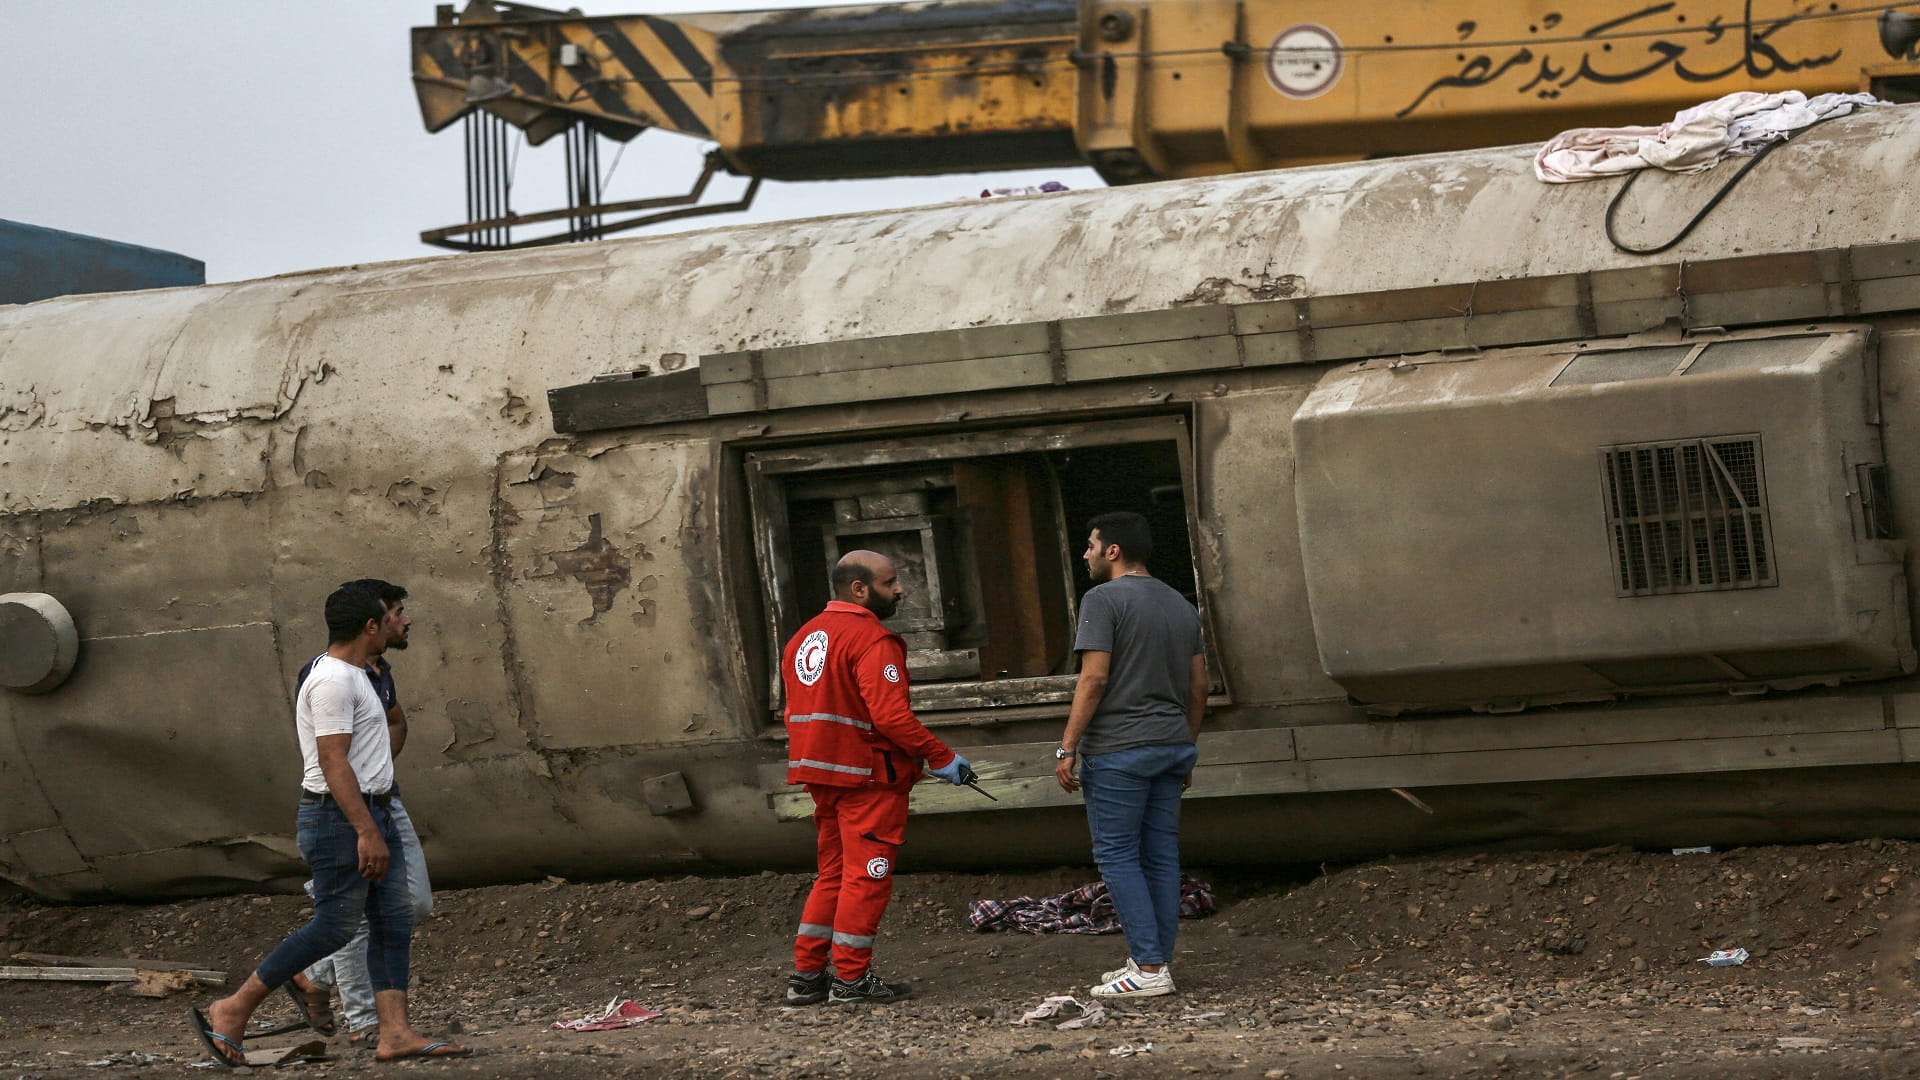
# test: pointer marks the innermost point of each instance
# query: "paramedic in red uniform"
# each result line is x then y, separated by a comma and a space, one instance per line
858, 748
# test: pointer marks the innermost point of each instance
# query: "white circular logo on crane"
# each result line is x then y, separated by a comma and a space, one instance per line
1304, 61
811, 658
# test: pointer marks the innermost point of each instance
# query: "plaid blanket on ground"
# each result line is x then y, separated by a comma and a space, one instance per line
1085, 910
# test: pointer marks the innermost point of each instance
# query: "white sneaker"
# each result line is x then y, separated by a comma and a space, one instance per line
1131, 969
1136, 983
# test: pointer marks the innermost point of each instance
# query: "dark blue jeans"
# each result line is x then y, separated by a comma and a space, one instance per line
1133, 812
341, 897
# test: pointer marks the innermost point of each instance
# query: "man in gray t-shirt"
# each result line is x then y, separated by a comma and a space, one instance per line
1137, 707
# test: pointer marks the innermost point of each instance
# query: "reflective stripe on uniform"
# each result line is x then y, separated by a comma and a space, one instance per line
815, 930
833, 717
809, 763
853, 941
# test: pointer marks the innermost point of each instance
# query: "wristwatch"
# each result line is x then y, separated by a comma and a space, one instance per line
1061, 753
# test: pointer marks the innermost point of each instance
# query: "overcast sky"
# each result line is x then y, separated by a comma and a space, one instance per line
268, 136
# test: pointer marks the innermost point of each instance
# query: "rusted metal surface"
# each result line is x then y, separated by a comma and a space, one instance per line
189, 472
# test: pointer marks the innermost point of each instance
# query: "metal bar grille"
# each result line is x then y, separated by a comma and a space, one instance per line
1688, 516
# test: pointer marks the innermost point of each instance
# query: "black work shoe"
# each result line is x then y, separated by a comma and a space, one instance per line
808, 987
867, 990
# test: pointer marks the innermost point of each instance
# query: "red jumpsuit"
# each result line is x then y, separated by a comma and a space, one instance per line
854, 742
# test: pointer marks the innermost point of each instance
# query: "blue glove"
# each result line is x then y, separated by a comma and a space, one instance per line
955, 772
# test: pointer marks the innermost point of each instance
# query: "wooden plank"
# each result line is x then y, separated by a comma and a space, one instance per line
1526, 294
1635, 283
1423, 304
1890, 294
98, 974
730, 398
675, 397
70, 974
1906, 710
1458, 734
1154, 358
1391, 338
729, 367
1522, 327
1591, 762
1909, 744
905, 350
1141, 327
1269, 316
1886, 260
1636, 316
1817, 300
1028, 792
1266, 350
57, 960
1018, 761
1882, 746
914, 380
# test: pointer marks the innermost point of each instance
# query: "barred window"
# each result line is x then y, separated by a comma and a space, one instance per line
1688, 516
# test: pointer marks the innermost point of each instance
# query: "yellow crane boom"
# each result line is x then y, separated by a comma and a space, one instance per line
1140, 90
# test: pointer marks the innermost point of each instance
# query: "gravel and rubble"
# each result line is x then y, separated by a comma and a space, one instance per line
1519, 964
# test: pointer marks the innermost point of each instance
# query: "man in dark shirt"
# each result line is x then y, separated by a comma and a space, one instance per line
1136, 713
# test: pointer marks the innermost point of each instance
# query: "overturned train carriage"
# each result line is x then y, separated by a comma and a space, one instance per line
1572, 545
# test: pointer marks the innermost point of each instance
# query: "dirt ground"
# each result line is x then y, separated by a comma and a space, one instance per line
1517, 965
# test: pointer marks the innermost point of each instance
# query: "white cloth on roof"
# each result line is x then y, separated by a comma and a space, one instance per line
1696, 138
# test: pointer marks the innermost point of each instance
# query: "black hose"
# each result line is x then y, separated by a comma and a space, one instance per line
1725, 190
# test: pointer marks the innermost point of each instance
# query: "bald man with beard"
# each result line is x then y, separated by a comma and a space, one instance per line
853, 741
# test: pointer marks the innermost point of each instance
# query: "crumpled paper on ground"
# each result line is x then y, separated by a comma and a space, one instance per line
1129, 1050
1090, 1014
619, 1013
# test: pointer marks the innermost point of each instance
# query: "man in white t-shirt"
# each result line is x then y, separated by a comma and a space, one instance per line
346, 834
347, 969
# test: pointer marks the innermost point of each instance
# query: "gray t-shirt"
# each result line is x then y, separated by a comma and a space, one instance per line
1153, 634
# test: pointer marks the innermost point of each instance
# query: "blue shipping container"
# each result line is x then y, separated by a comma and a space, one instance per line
37, 263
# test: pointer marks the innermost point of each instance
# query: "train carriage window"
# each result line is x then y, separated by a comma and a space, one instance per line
987, 529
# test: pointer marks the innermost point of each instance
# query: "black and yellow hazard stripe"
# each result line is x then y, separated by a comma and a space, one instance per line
650, 69
645, 70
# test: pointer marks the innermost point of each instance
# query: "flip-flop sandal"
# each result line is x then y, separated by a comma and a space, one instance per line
214, 1040
428, 1051
317, 1014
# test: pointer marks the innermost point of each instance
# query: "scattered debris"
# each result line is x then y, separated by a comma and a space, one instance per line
128, 1057
1129, 1050
1083, 1014
619, 1013
1085, 910
159, 984
1203, 1016
1047, 188
1725, 958
1702, 850
279, 1055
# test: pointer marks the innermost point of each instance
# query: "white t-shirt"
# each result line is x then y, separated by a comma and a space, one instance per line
339, 699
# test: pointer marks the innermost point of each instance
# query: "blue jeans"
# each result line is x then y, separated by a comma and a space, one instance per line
341, 897
1133, 812
347, 969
